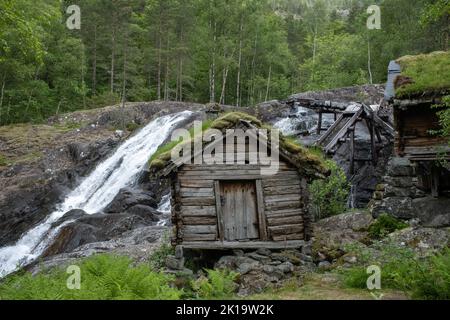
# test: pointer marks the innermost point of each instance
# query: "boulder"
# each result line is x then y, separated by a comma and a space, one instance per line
128, 198
400, 167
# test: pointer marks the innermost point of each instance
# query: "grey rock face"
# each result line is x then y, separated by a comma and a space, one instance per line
128, 198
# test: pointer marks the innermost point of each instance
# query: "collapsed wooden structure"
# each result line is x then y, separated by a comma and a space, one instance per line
347, 116
236, 206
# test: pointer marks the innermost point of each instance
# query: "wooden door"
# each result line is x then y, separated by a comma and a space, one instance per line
239, 210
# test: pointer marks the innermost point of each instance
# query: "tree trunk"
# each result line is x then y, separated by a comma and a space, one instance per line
369, 62
268, 83
2, 95
314, 52
212, 69
252, 89
158, 90
238, 81
94, 63
166, 81
113, 57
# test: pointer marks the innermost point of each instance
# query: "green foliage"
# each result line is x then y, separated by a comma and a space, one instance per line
430, 73
329, 196
103, 277
384, 225
219, 284
158, 257
423, 278
3, 161
140, 50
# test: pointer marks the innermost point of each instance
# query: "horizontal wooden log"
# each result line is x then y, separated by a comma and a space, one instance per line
198, 201
189, 183
289, 237
198, 211
284, 213
199, 221
282, 198
285, 189
287, 229
199, 237
218, 245
276, 206
199, 229
199, 193
226, 167
273, 222
277, 182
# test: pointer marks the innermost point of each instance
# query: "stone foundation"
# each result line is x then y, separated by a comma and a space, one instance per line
400, 195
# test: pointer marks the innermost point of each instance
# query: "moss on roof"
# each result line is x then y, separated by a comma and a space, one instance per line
308, 162
424, 74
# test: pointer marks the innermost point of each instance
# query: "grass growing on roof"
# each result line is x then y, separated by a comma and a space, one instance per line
430, 73
311, 162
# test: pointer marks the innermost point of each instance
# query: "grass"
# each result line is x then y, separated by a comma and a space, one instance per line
422, 278
326, 286
430, 73
3, 161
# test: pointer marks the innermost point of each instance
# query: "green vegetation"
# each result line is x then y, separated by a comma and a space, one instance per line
103, 277
329, 196
423, 278
3, 161
384, 225
158, 257
219, 284
233, 52
424, 74
108, 277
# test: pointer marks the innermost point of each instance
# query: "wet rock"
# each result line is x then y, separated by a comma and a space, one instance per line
399, 167
128, 198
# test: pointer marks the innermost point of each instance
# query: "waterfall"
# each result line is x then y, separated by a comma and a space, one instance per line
120, 170
164, 207
302, 121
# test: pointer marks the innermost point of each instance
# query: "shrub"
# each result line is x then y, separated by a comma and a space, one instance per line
329, 196
3, 161
384, 225
103, 277
158, 257
219, 284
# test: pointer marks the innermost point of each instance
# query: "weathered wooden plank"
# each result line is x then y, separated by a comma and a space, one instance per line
261, 210
282, 198
191, 194
198, 201
198, 211
218, 203
287, 229
189, 183
226, 167
274, 222
284, 213
211, 174
199, 237
199, 229
274, 182
199, 221
282, 190
276, 206
289, 237
219, 245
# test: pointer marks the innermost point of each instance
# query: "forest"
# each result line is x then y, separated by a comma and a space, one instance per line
235, 52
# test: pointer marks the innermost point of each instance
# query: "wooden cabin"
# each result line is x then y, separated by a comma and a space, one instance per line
234, 205
420, 85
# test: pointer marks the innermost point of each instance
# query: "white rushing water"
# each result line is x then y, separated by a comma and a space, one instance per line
302, 121
165, 208
96, 191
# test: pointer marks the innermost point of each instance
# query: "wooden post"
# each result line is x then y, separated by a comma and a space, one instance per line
319, 125
220, 224
261, 211
352, 150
